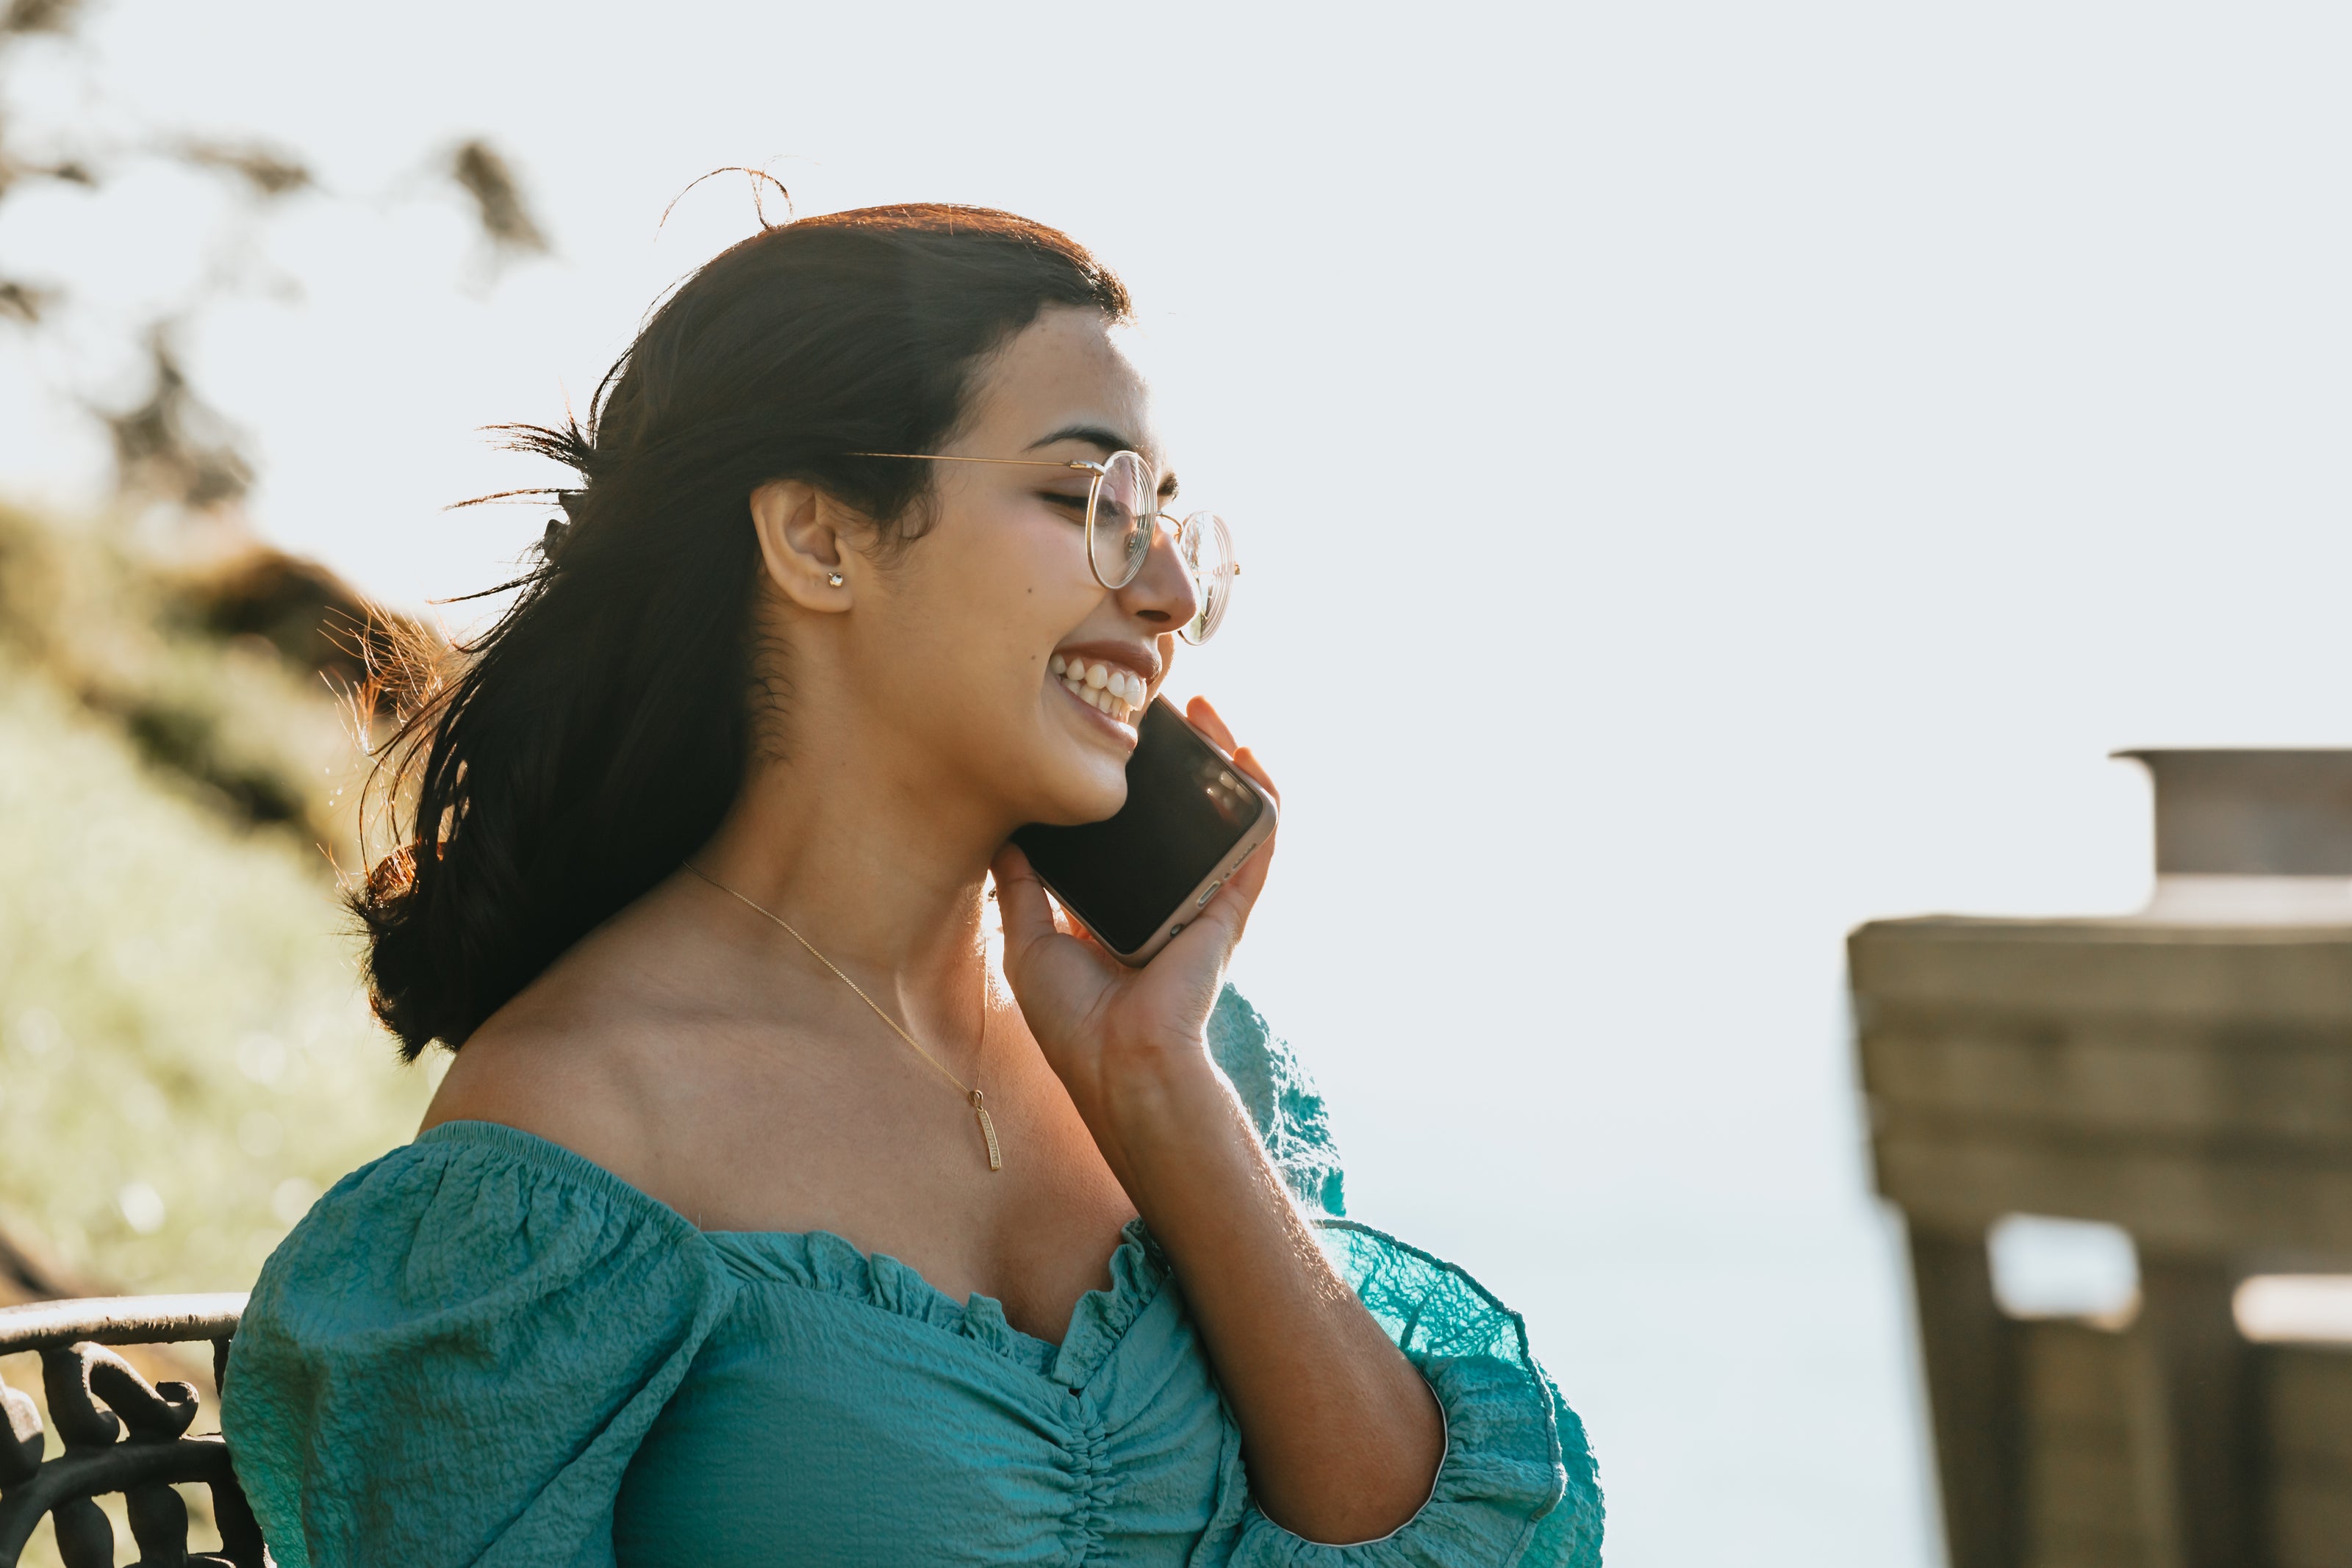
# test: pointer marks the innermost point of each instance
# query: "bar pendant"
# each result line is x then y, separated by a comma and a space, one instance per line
987, 1131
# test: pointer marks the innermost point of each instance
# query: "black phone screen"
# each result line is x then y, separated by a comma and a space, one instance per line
1186, 807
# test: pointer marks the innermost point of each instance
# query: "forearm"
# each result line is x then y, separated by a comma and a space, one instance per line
1341, 1435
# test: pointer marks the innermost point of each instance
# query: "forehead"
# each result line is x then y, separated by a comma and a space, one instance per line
1062, 372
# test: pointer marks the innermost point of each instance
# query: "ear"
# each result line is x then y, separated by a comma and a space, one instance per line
800, 530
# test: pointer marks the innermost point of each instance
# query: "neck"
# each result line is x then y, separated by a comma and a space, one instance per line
871, 901
879, 867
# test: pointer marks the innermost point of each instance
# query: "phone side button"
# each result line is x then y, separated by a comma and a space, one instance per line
1208, 892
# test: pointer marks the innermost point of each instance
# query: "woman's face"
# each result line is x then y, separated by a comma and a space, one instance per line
964, 646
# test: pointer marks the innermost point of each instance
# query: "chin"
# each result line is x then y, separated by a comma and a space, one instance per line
1083, 790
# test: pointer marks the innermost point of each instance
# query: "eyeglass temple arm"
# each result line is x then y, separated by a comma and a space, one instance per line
1096, 468
1002, 462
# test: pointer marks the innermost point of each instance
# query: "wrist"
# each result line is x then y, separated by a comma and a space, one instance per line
1151, 1100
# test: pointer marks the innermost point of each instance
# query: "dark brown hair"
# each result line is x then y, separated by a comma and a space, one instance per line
595, 736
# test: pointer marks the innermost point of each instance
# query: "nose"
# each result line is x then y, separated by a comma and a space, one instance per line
1163, 595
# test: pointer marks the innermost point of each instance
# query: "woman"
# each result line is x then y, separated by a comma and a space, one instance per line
757, 1220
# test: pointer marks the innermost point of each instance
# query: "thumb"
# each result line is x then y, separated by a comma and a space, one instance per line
1021, 904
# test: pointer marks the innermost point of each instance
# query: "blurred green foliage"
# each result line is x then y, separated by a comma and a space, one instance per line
187, 1058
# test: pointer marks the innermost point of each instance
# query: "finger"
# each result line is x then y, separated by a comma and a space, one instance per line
1247, 881
1074, 928
1207, 720
1239, 894
1228, 911
1218, 928
1250, 873
1246, 760
1020, 903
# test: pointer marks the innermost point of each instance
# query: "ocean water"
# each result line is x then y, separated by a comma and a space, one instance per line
1751, 1392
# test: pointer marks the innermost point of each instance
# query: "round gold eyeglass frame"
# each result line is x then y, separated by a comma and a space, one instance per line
1194, 532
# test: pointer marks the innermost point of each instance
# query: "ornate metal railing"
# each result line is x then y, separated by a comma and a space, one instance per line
121, 1433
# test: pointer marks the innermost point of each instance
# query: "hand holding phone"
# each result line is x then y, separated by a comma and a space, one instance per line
1185, 831
1193, 816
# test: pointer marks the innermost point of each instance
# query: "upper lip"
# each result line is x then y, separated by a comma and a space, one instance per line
1135, 661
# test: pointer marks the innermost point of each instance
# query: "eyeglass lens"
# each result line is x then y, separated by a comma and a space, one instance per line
1206, 546
1120, 522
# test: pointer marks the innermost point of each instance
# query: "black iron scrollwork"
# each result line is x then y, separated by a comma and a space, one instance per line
121, 1433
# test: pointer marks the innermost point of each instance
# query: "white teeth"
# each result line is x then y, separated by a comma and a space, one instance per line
1116, 693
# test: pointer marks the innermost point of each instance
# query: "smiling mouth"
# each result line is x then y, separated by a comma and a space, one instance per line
1116, 694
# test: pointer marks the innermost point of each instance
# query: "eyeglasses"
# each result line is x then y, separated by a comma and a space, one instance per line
1122, 514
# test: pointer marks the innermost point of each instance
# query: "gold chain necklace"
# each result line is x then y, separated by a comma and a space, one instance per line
979, 1105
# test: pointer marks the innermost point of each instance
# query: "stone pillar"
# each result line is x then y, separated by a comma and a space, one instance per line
2185, 1073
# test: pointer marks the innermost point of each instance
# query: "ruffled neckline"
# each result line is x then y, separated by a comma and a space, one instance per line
826, 1262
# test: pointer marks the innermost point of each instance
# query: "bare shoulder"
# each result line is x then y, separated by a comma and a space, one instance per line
569, 1061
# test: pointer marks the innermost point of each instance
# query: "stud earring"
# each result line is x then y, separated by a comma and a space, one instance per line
834, 578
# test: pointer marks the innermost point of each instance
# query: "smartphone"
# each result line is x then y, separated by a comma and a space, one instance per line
1138, 878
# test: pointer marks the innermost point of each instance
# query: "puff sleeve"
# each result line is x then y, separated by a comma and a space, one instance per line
453, 1356
1517, 1484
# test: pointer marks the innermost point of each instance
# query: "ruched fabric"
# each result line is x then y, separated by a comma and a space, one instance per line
485, 1349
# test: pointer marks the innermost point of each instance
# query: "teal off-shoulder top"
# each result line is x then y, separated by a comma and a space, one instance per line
483, 1348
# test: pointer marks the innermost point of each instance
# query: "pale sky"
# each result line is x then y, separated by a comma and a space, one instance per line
1708, 476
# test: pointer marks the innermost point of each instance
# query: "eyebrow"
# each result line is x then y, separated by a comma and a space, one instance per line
1093, 435
1109, 441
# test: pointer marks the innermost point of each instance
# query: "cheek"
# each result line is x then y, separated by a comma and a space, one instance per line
994, 603
1031, 580
973, 569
